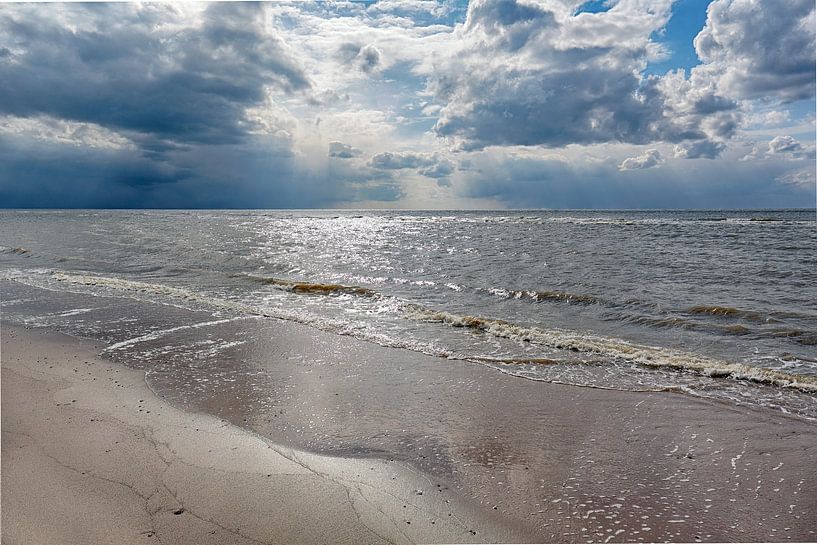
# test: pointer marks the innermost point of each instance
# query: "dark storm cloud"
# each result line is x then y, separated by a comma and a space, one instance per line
58, 176
254, 174
175, 86
121, 69
556, 108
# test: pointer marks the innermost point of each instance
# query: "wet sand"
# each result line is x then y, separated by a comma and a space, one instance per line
91, 455
564, 463
532, 461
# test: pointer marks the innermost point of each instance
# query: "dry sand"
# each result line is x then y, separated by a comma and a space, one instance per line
90, 456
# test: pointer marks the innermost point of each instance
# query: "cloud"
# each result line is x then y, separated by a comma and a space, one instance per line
529, 181
781, 147
159, 72
529, 74
649, 159
154, 105
343, 151
784, 144
706, 149
760, 48
388, 160
770, 118
430, 165
442, 169
272, 104
367, 58
804, 178
50, 173
72, 133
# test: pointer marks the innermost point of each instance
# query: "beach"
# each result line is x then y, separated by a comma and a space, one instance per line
91, 454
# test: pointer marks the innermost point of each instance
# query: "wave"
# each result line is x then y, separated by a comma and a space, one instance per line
540, 295
617, 349
769, 317
533, 361
332, 288
683, 323
600, 349
713, 310
311, 287
16, 251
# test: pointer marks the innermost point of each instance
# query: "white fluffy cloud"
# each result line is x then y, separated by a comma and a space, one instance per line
536, 73
760, 48
648, 159
784, 144
781, 147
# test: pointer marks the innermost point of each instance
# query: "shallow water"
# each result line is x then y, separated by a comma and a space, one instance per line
718, 304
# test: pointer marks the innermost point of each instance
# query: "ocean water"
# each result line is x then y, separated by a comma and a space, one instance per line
715, 304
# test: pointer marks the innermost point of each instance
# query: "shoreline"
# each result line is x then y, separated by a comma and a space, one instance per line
92, 455
559, 463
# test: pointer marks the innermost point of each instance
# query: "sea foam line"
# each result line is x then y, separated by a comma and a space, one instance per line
153, 335
617, 349
647, 356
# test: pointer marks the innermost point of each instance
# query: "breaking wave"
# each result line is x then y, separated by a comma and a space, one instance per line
539, 296
313, 288
617, 349
726, 311
590, 349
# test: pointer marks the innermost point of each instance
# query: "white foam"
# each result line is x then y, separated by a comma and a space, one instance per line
648, 356
161, 333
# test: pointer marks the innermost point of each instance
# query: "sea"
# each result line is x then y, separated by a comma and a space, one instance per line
717, 304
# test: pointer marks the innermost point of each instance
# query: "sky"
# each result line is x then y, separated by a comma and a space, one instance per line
487, 104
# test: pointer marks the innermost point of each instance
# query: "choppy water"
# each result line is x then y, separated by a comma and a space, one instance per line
721, 304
